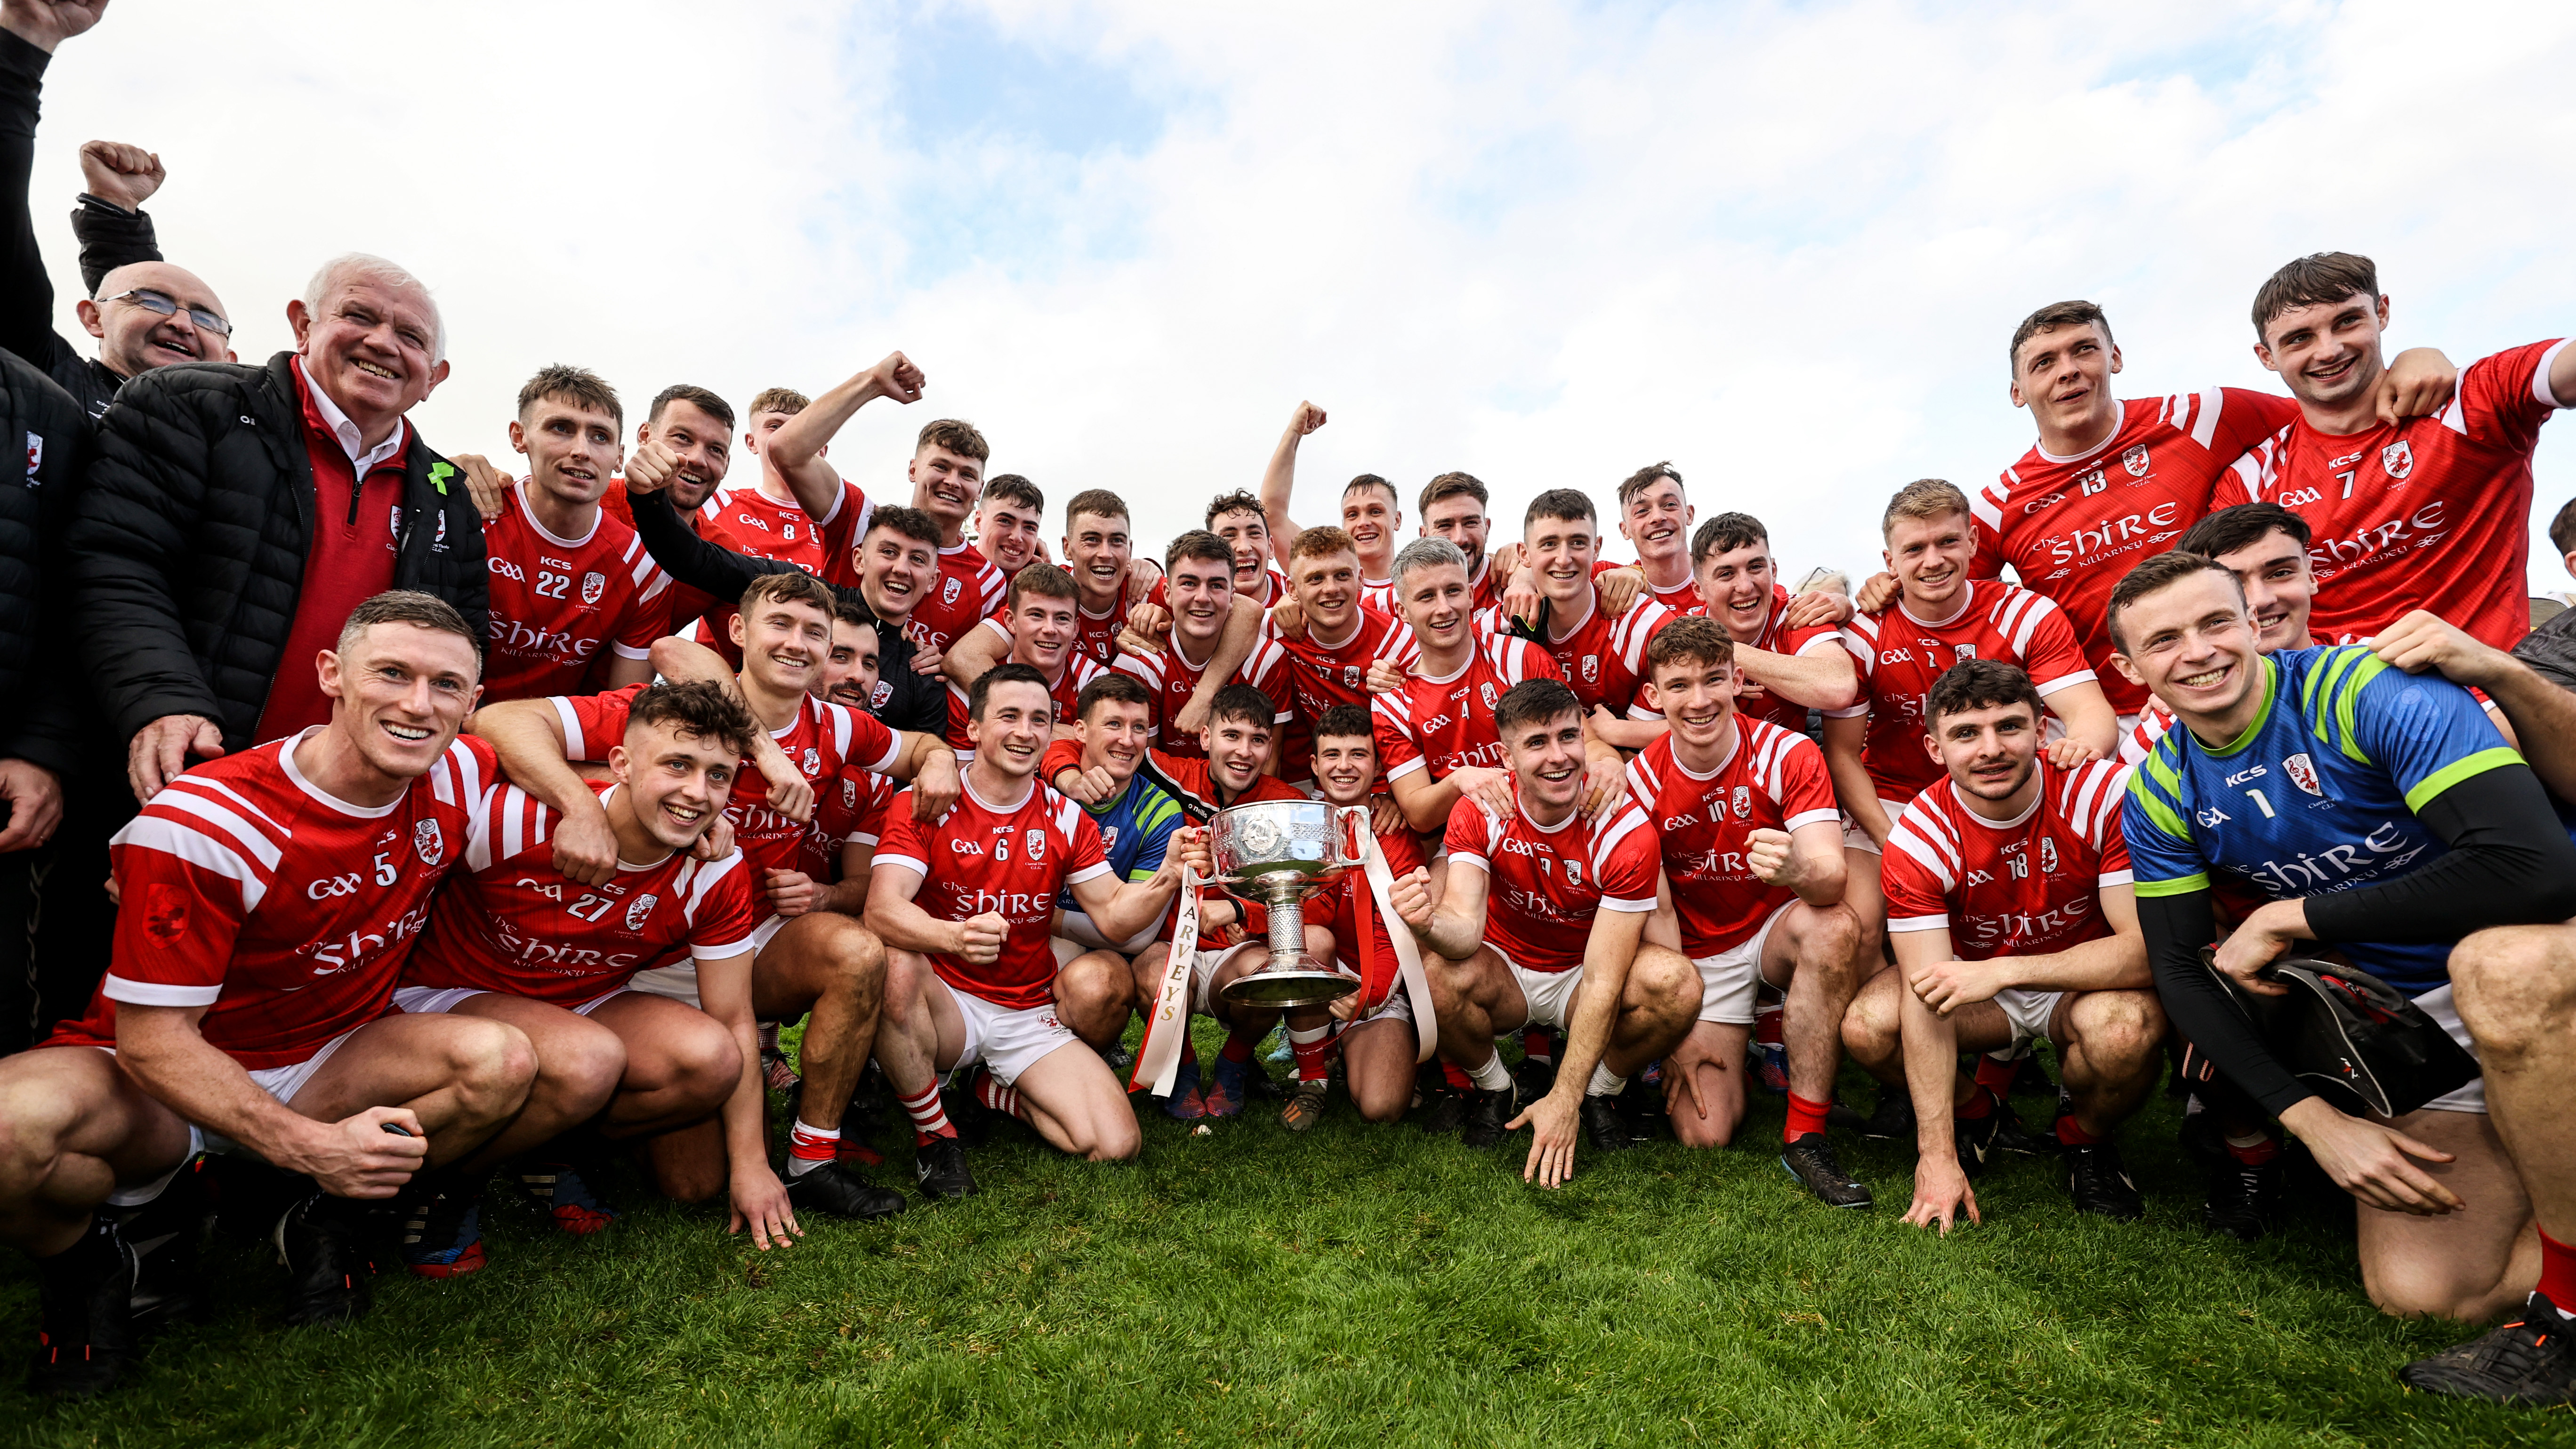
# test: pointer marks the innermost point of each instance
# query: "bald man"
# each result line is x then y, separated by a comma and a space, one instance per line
144, 312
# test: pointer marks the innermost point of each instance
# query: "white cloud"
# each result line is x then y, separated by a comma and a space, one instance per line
1780, 246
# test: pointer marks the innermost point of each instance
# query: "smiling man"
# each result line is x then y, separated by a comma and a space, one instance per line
1655, 516
2430, 513
1095, 984
1782, 669
1042, 626
192, 622
1600, 654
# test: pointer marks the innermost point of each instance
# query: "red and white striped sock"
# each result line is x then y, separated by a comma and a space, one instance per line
809, 1147
929, 1120
994, 1095
1313, 1050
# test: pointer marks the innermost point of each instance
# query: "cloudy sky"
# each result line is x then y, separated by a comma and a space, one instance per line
1781, 245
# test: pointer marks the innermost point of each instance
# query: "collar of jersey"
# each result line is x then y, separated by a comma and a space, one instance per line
541, 531
968, 785
2117, 429
2271, 694
1725, 760
286, 756
1520, 807
2018, 821
1967, 601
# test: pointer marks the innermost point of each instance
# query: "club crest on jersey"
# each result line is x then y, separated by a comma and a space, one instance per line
35, 456
1350, 676
1574, 872
1485, 692
1037, 844
428, 843
1967, 651
2303, 773
849, 794
640, 910
878, 696
2135, 460
1108, 837
592, 586
948, 592
1743, 802
2048, 855
1592, 669
2398, 458
813, 761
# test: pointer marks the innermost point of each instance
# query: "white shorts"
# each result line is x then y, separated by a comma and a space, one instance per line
1203, 969
1007, 1040
1855, 838
679, 981
1729, 979
1550, 994
1398, 1005
431, 1000
279, 1082
2028, 1013
2471, 1097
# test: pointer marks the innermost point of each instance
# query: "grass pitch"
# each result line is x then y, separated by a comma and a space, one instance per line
1356, 1285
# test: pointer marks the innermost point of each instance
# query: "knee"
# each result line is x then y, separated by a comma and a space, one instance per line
1114, 1138
905, 975
858, 958
1870, 1026
2515, 988
585, 1065
2413, 1292
2119, 1028
1835, 936
494, 1063
709, 1057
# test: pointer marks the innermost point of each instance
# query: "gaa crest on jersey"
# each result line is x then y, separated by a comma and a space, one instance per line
592, 586
948, 592
1743, 802
640, 910
428, 843
2303, 773
1037, 844
2398, 459
2135, 460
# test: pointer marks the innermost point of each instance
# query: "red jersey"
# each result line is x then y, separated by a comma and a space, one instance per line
1755, 702
2070, 527
840, 530
1379, 594
1448, 724
1604, 660
747, 520
1683, 600
823, 738
1170, 677
1771, 779
969, 590
1548, 882
1096, 635
1323, 675
1009, 860
1899, 656
559, 603
849, 807
285, 912
512, 923
1079, 670
2429, 513
2027, 887
1341, 906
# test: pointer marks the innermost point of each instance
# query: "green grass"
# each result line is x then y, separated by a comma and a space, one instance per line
1356, 1285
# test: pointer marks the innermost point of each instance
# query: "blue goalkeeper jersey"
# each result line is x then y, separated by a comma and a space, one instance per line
1135, 829
2319, 794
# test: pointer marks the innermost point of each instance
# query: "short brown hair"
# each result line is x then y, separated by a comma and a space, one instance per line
1568, 504
957, 436
2049, 319
2154, 577
1005, 673
578, 386
1241, 500
1013, 489
1044, 580
1979, 684
699, 709
1534, 701
778, 400
2562, 529
1694, 639
1244, 702
1726, 533
2319, 277
1200, 546
847, 609
1645, 478
1114, 687
1450, 485
1097, 502
1371, 480
1319, 541
791, 586
2230, 529
911, 522
1923, 498
406, 606
1344, 720
695, 396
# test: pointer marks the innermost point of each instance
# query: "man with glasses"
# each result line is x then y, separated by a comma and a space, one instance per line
144, 312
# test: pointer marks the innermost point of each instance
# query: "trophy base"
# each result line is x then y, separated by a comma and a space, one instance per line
1288, 988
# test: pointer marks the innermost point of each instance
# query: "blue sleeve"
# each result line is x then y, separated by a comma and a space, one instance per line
2155, 820
2426, 732
1158, 818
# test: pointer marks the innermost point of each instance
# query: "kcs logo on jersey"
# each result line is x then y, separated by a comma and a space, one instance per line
2303, 773
592, 586
639, 911
2398, 459
2135, 460
1743, 802
428, 842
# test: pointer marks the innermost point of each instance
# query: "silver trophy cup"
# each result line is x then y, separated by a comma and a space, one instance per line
1275, 854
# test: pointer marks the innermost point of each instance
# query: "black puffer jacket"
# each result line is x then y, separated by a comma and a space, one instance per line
189, 539
40, 721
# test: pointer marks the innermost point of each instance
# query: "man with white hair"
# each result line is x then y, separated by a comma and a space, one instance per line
233, 515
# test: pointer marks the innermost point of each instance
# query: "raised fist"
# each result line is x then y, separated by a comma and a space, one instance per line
125, 175
1766, 854
651, 468
1411, 897
45, 24
1306, 419
981, 937
897, 378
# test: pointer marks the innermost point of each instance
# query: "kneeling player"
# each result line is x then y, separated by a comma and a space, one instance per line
2009, 904
1095, 982
1752, 846
518, 941
269, 898
970, 897
2397, 810
1543, 919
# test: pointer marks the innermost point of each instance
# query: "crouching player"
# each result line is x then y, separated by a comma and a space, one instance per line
1542, 919
1095, 982
964, 904
2389, 818
1752, 848
1374, 1027
2009, 905
269, 899
516, 940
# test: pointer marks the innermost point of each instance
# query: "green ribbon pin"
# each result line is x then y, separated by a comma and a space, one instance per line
439, 473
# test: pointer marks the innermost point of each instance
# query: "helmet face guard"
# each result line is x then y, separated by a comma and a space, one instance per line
2350, 1036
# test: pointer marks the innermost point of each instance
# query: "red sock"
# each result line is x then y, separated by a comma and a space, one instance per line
1238, 1047
814, 1144
929, 1120
2262, 1150
1804, 1117
1995, 1076
994, 1095
1457, 1078
1313, 1051
2071, 1133
1979, 1106
1766, 1026
1537, 1045
2558, 1273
